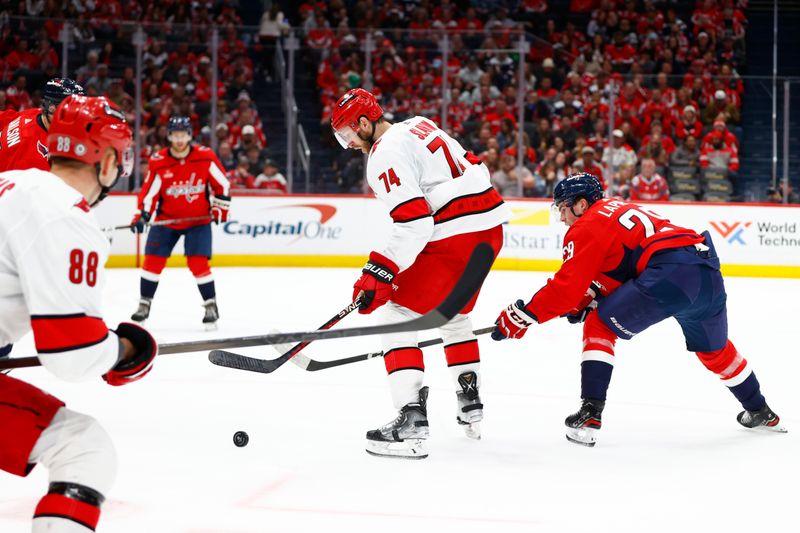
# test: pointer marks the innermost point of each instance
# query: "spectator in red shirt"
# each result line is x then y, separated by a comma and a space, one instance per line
588, 163
270, 180
728, 139
620, 53
17, 95
717, 155
497, 115
648, 185
688, 124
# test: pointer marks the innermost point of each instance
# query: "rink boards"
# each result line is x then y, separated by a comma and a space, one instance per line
312, 230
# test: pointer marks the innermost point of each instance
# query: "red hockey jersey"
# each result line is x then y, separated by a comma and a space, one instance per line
23, 142
179, 188
610, 244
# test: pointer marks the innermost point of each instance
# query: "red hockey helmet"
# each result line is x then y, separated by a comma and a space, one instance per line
84, 126
354, 104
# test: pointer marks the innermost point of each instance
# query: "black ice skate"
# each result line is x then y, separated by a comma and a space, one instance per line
143, 312
582, 427
212, 314
404, 437
470, 408
764, 419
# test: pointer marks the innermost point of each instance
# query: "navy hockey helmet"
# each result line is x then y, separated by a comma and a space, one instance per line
179, 123
577, 186
57, 89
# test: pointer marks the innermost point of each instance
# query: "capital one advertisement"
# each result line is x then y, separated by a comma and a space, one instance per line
311, 230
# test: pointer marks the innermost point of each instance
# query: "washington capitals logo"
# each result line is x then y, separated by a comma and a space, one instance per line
732, 232
189, 189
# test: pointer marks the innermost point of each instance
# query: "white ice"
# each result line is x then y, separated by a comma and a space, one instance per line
670, 456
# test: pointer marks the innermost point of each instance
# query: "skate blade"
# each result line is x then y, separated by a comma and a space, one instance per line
473, 430
582, 436
778, 428
210, 326
407, 449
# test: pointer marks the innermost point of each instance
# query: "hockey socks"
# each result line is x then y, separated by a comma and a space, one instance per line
735, 373
595, 378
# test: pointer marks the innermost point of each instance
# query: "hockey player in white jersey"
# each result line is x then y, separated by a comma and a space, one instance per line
442, 205
52, 255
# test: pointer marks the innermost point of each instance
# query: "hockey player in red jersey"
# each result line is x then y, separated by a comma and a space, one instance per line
23, 137
636, 269
442, 204
179, 180
51, 282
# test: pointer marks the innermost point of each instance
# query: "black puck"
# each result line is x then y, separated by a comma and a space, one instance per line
241, 438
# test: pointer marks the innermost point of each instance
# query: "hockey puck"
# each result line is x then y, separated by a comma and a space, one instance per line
241, 438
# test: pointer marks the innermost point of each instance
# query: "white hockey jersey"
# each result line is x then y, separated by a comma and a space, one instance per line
433, 187
52, 258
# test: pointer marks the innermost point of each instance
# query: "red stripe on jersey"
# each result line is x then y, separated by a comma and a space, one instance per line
403, 359
471, 204
409, 210
58, 505
664, 242
462, 353
472, 158
54, 333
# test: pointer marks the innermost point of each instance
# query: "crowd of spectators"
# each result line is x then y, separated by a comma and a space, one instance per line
675, 75
177, 72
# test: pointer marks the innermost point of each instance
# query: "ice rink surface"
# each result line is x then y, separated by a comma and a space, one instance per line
670, 456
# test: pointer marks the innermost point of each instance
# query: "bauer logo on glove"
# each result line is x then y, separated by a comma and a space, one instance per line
374, 288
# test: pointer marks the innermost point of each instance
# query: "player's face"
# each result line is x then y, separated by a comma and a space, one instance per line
180, 140
571, 215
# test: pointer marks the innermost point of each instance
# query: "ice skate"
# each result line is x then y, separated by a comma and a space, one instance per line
403, 437
143, 312
582, 427
470, 408
212, 314
763, 420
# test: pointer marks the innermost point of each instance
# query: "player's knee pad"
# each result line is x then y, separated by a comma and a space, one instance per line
68, 508
198, 264
459, 329
598, 340
727, 363
460, 344
392, 313
76, 449
152, 267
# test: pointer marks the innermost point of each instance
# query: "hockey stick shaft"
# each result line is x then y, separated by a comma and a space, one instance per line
26, 362
162, 222
312, 365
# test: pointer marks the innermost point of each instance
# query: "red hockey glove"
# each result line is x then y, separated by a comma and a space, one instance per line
139, 220
513, 322
133, 368
586, 305
220, 205
375, 284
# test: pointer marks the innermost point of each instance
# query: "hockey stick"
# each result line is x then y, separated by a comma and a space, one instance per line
161, 223
312, 365
24, 362
468, 284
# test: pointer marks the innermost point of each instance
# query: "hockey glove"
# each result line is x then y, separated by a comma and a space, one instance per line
139, 221
220, 205
374, 287
513, 322
133, 368
586, 305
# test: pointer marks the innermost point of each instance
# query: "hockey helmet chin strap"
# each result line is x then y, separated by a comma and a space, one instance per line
371, 138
